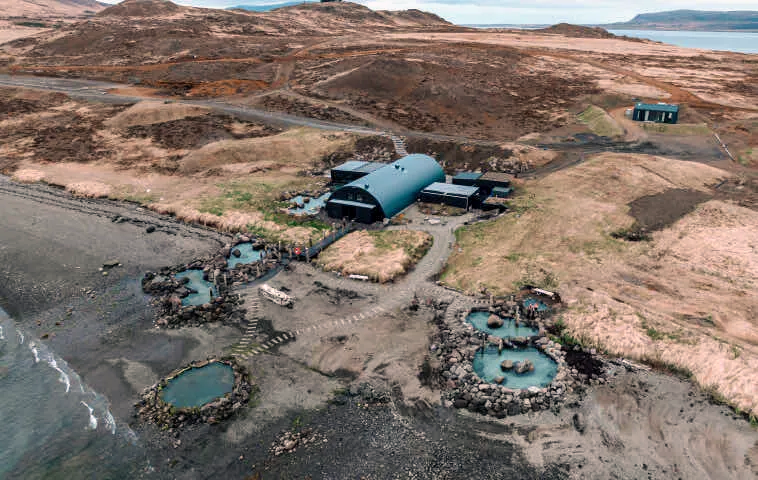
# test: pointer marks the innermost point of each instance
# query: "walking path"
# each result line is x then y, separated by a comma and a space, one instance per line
393, 296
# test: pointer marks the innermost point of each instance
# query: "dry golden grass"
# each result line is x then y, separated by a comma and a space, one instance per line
685, 298
600, 122
290, 151
381, 256
150, 112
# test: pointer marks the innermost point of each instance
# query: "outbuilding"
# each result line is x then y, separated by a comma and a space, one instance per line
466, 178
460, 196
353, 170
656, 112
491, 180
386, 191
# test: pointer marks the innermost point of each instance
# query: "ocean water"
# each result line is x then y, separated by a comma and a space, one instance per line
743, 42
52, 424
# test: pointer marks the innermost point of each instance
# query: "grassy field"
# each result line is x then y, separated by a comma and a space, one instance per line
382, 256
682, 299
677, 129
600, 122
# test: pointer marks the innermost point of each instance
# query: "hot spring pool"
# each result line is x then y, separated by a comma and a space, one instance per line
541, 307
248, 255
198, 386
310, 208
197, 283
487, 366
508, 330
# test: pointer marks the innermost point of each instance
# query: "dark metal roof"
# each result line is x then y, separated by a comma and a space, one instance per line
657, 107
468, 176
497, 177
395, 186
359, 166
450, 189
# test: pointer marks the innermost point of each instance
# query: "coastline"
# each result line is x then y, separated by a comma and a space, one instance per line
110, 341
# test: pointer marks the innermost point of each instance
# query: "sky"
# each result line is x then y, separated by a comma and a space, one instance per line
530, 11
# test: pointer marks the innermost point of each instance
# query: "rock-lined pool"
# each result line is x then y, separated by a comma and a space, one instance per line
200, 285
508, 330
310, 208
197, 386
247, 255
487, 365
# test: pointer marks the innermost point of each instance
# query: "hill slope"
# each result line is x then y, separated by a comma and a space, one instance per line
48, 8
693, 20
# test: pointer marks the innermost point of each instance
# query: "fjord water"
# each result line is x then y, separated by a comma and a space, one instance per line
743, 42
52, 425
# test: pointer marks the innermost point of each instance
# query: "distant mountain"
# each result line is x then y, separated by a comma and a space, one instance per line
691, 20
266, 8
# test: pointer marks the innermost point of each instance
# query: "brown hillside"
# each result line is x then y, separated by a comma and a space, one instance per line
39, 9
142, 8
577, 31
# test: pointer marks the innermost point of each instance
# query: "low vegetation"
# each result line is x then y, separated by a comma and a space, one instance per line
379, 255
642, 300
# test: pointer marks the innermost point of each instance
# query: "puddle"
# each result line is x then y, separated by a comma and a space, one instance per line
198, 386
202, 287
248, 255
310, 208
487, 366
508, 330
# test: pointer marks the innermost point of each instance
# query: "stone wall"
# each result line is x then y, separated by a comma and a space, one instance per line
456, 344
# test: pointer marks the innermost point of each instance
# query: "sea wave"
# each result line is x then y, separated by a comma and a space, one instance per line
92, 417
2, 336
35, 351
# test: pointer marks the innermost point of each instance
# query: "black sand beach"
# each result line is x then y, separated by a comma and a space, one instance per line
640, 425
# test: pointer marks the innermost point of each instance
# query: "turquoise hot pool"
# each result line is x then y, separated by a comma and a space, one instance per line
487, 366
508, 330
197, 386
198, 284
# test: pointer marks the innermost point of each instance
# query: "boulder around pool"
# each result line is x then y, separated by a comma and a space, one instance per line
198, 386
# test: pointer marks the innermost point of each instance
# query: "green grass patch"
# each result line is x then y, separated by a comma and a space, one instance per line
691, 129
31, 24
387, 240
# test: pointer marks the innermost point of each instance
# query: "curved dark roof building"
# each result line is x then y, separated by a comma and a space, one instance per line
387, 191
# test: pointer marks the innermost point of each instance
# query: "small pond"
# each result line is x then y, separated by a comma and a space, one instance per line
197, 283
487, 366
541, 307
198, 386
310, 208
508, 330
248, 255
